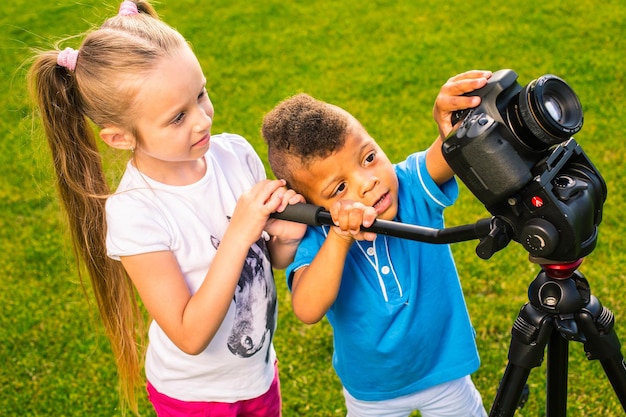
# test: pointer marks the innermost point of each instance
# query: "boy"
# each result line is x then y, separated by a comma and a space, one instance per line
403, 340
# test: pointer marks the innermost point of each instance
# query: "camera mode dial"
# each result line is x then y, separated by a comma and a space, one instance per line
475, 126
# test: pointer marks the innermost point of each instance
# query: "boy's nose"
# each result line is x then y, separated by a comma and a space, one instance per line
368, 182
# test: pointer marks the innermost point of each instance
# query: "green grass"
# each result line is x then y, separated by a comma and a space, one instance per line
382, 60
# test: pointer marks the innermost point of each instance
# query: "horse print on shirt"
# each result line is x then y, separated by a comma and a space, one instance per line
256, 304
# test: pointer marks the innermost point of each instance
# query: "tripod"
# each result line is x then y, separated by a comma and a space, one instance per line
561, 308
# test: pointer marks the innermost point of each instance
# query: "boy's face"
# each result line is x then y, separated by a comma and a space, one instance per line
359, 171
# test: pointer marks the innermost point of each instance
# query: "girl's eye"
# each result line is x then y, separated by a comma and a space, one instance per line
178, 119
202, 94
370, 157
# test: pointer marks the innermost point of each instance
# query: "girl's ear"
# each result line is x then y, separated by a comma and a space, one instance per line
118, 138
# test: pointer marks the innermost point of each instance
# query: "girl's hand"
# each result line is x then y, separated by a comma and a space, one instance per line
284, 230
451, 98
254, 207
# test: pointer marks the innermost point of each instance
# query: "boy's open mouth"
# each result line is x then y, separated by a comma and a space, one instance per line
383, 203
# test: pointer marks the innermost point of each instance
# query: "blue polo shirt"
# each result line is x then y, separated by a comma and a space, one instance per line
400, 322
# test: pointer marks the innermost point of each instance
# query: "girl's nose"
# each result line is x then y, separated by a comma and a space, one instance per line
204, 122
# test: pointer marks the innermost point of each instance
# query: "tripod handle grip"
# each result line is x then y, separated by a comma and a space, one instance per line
317, 216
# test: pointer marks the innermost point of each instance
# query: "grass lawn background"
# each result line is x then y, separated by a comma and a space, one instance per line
384, 61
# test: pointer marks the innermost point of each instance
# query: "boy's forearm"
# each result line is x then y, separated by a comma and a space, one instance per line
436, 164
315, 287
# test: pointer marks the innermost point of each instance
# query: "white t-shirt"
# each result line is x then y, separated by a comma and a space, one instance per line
146, 216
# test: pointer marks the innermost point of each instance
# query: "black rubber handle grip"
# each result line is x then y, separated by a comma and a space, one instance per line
300, 213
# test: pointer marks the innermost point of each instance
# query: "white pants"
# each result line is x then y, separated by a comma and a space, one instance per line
458, 398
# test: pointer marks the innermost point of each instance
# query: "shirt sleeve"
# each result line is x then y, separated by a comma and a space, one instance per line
135, 226
422, 200
248, 156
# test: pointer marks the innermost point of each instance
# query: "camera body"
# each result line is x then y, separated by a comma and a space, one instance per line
515, 152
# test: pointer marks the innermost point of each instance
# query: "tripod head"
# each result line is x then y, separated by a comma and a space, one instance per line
558, 270
559, 288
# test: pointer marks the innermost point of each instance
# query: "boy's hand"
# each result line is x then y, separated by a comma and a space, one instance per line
451, 98
349, 216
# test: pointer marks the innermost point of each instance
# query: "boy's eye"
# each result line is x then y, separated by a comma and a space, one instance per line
370, 157
339, 189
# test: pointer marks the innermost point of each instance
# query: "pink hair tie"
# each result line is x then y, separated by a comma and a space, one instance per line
128, 8
67, 58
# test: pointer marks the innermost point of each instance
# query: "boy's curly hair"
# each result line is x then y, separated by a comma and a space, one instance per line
301, 129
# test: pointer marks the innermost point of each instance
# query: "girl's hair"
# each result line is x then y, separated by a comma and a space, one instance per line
301, 129
100, 90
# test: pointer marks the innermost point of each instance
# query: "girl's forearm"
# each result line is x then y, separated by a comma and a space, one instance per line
282, 251
207, 308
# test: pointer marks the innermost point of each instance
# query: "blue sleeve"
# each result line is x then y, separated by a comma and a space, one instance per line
422, 200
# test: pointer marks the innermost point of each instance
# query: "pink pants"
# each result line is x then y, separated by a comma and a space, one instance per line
266, 405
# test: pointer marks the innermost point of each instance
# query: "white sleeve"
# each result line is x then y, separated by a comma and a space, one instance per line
248, 156
134, 226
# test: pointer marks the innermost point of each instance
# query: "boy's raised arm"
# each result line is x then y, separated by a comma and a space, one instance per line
450, 99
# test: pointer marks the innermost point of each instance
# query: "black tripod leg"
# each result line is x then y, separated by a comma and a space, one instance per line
509, 391
529, 336
596, 323
556, 376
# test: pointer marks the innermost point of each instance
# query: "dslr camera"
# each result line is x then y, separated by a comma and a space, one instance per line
515, 152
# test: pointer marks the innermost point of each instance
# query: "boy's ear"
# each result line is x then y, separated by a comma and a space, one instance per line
118, 138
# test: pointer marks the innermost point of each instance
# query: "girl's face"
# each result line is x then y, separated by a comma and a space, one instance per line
358, 171
174, 117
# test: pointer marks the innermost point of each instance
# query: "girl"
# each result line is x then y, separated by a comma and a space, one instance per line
188, 226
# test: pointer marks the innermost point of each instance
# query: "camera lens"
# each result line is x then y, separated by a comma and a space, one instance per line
554, 109
550, 109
